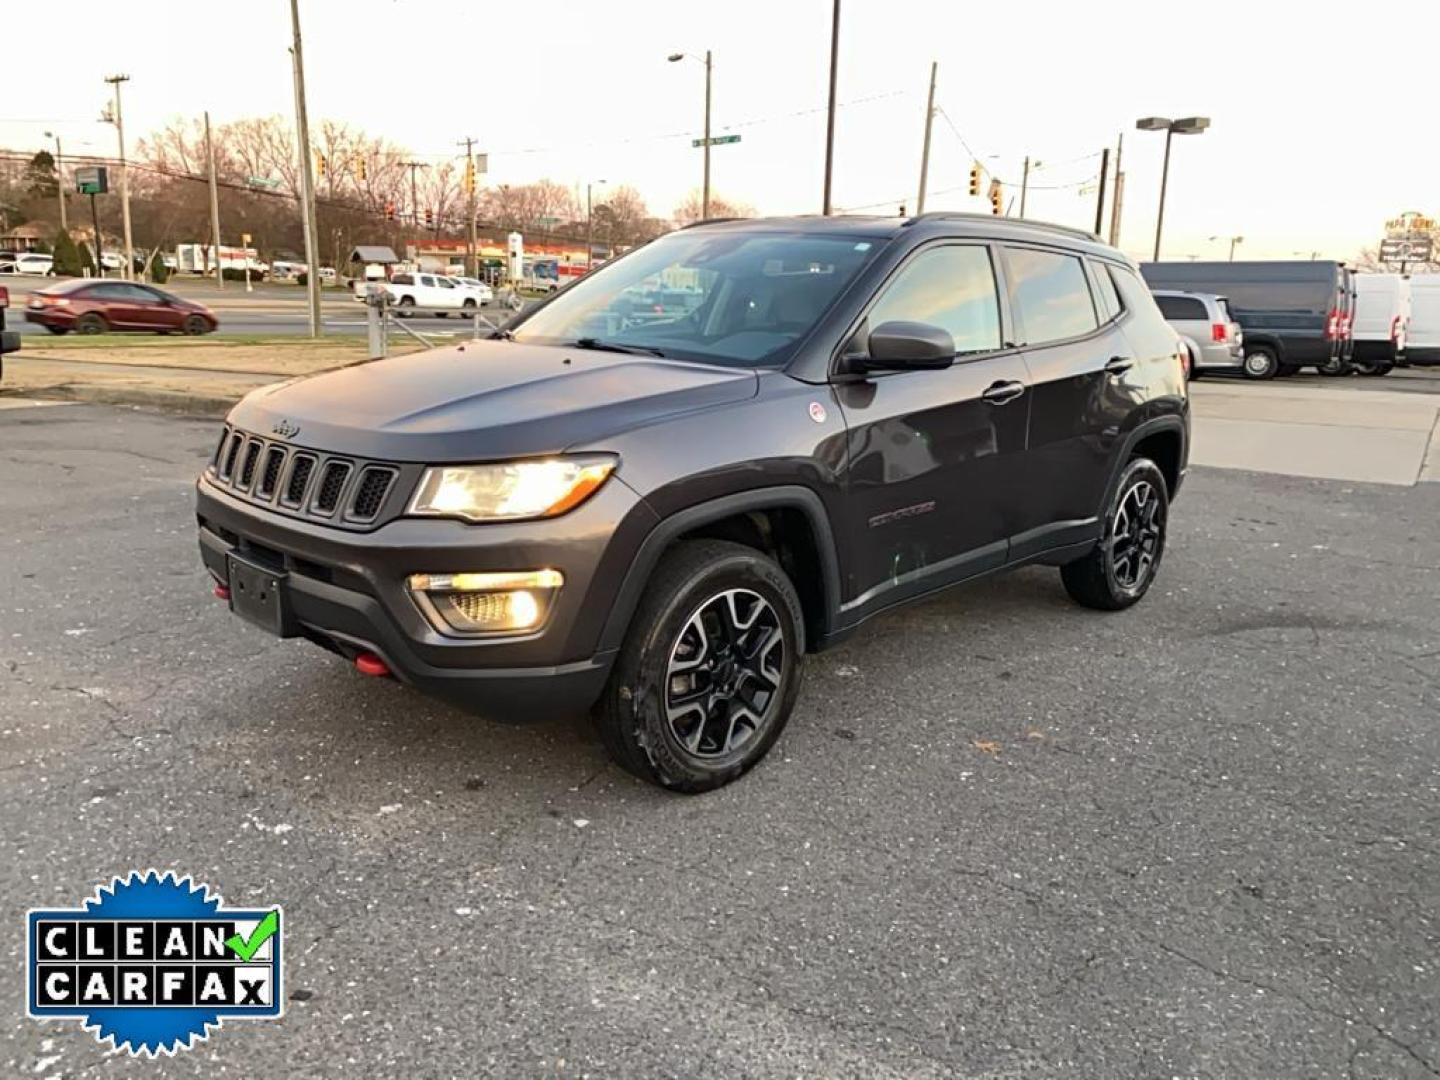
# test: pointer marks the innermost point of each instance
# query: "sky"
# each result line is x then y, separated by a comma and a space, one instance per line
1306, 153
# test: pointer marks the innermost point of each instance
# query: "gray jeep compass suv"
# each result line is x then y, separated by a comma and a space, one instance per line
659, 490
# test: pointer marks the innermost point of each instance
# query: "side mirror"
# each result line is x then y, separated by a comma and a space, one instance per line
910, 346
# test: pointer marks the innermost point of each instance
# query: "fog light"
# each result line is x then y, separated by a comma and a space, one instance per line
503, 602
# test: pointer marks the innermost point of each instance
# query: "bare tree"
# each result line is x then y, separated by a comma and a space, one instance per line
688, 212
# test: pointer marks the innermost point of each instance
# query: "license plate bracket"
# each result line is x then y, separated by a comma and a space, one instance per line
258, 595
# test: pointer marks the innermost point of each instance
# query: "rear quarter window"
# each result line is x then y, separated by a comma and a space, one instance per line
1051, 295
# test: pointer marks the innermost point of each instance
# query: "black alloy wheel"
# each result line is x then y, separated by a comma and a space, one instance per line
1137, 534
724, 673
1120, 569
709, 670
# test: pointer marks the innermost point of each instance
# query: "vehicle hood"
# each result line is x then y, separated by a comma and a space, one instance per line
484, 400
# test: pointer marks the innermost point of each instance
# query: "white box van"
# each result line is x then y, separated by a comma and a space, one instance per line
1422, 344
1382, 321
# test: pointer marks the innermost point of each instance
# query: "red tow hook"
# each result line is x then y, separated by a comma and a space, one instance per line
367, 663
222, 592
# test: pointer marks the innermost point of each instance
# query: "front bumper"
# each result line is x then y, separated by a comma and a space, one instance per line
347, 591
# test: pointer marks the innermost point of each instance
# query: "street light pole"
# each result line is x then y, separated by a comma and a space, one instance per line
59, 180
830, 112
1164, 183
115, 81
1190, 125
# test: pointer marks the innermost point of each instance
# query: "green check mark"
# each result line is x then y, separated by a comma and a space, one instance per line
244, 948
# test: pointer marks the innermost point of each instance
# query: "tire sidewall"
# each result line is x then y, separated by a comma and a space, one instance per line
1137, 470
674, 766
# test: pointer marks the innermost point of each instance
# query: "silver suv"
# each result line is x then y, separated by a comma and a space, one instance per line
1204, 323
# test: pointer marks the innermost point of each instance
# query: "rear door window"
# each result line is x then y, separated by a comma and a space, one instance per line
952, 287
1051, 295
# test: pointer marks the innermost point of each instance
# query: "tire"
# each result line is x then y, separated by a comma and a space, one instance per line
406, 306
1261, 363
1122, 567
195, 325
679, 632
91, 323
1334, 367
468, 306
1379, 369
58, 331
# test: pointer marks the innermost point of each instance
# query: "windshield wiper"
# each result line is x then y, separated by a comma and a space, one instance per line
614, 346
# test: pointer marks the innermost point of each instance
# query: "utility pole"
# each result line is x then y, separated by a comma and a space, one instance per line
414, 197
307, 178
830, 113
1119, 193
59, 180
115, 81
925, 153
1025, 183
214, 204
705, 190
1100, 199
471, 243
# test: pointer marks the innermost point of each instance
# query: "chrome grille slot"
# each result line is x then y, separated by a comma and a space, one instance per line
270, 474
370, 492
248, 463
228, 466
332, 482
302, 467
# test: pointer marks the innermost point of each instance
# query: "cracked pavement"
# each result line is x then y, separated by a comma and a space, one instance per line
1002, 836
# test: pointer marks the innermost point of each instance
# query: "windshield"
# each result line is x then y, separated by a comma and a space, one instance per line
743, 299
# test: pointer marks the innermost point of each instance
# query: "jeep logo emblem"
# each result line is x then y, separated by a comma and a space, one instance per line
286, 429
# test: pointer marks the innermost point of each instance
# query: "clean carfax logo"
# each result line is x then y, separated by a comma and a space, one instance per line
151, 963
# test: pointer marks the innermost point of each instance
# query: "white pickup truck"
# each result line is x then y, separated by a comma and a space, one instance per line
431, 292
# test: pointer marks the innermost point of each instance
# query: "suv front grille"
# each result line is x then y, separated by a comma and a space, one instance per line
337, 490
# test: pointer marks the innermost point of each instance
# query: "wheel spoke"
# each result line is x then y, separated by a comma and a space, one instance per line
724, 675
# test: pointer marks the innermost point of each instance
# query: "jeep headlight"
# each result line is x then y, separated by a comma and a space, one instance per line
510, 491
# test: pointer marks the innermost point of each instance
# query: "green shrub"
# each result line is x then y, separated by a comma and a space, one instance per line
237, 273
67, 256
159, 272
87, 260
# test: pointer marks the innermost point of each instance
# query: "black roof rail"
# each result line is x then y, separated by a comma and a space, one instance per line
960, 215
709, 221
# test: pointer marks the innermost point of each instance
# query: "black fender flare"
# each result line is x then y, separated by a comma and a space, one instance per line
647, 557
1142, 431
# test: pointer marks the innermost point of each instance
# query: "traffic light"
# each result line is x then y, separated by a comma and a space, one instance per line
390, 211
995, 197
429, 218
320, 164
975, 179
360, 168
469, 175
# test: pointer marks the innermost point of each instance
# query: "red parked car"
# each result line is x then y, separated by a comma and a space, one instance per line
98, 307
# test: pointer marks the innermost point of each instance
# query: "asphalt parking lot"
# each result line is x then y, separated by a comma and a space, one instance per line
1002, 836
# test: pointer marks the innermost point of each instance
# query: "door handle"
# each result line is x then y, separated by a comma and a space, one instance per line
1001, 392
1118, 365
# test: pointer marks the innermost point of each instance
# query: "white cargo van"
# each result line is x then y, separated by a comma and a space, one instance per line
1422, 343
1382, 321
